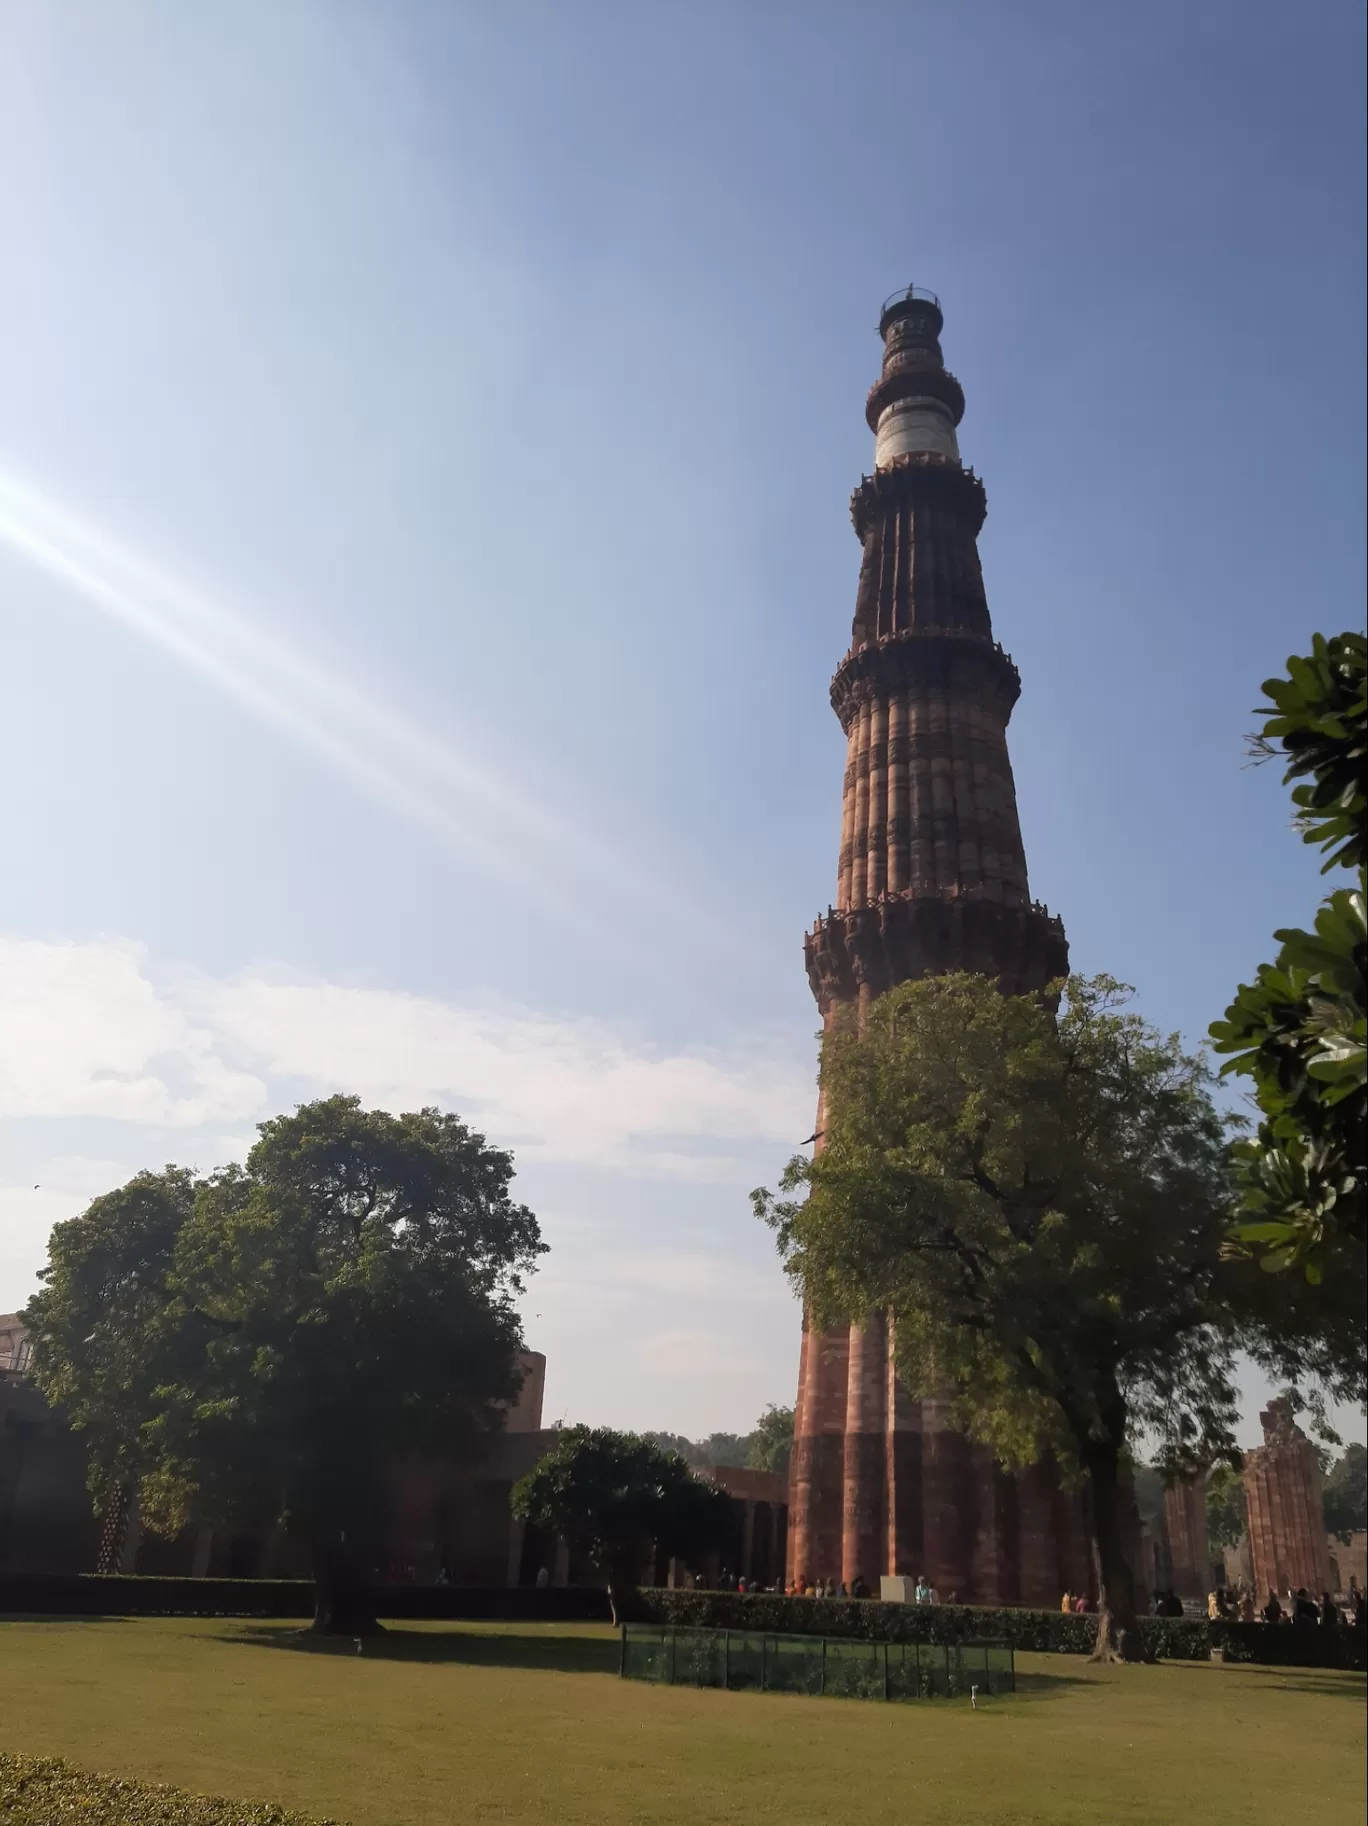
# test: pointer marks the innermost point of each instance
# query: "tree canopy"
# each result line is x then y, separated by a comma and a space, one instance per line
765, 1448
770, 1446
1346, 1492
257, 1346
1039, 1199
1299, 1031
616, 1498
1227, 1512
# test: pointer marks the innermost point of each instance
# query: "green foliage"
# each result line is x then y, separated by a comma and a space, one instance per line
1227, 1513
771, 1444
1320, 723
1040, 1202
766, 1448
722, 1449
1346, 1493
40, 1791
615, 1497
692, 1451
1300, 1030
258, 1345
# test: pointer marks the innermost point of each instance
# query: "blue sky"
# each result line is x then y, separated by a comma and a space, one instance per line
425, 439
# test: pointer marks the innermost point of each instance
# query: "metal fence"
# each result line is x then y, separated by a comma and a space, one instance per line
835, 1666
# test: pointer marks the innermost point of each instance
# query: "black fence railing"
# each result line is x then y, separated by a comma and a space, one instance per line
830, 1666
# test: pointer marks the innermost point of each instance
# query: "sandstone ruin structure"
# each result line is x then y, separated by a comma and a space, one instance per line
1185, 1524
931, 878
1287, 1540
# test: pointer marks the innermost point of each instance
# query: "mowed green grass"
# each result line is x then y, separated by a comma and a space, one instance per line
449, 1724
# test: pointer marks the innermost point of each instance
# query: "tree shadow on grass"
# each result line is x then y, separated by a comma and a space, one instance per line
1045, 1686
568, 1654
1323, 1683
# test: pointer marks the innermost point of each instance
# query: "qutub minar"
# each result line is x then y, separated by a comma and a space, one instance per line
931, 878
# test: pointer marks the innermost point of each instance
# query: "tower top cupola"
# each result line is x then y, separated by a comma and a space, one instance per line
915, 405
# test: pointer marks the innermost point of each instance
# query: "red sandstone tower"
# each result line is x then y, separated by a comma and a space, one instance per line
932, 878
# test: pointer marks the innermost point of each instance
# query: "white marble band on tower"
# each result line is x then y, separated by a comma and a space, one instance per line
915, 424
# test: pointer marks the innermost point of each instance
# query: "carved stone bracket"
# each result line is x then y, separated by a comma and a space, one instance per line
900, 937
914, 477
934, 659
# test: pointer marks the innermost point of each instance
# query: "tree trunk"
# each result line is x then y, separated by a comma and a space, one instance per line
344, 1604
622, 1586
1118, 1627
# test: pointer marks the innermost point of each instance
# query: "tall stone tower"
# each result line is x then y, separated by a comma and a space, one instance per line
931, 878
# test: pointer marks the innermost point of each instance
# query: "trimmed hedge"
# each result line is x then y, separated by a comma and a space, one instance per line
38, 1791
127, 1595
1294, 1645
1045, 1631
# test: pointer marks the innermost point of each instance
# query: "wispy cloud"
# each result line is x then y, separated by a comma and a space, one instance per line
95, 1030
428, 780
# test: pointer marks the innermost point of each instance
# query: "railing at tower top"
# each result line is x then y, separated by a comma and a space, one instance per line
909, 294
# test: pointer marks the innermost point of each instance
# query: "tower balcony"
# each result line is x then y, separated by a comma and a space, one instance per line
857, 953
947, 660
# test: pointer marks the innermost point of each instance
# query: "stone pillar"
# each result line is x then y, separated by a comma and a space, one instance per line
799, 1430
560, 1571
817, 1475
863, 1525
517, 1534
747, 1567
903, 1459
949, 1509
1185, 1520
994, 1572
1042, 1580
1282, 1483
204, 1546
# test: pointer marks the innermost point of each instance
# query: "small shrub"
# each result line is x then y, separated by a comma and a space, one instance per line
39, 1791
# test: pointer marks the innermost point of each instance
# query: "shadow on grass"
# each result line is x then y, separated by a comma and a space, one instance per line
565, 1654
1044, 1686
569, 1654
1324, 1683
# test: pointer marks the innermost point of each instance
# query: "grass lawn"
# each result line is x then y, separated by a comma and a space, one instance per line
447, 1724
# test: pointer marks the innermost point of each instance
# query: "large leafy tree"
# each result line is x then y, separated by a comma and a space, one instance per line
615, 1498
770, 1446
1227, 1513
1346, 1492
257, 1346
1299, 1031
1039, 1199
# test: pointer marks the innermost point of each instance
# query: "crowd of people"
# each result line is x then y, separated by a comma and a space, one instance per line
1223, 1605
1299, 1607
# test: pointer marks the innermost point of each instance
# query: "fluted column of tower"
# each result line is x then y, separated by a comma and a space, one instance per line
931, 878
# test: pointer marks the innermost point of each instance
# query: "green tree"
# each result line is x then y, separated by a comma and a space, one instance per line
1226, 1510
724, 1449
1040, 1201
770, 1446
1346, 1493
258, 1346
693, 1452
616, 1498
1300, 1030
